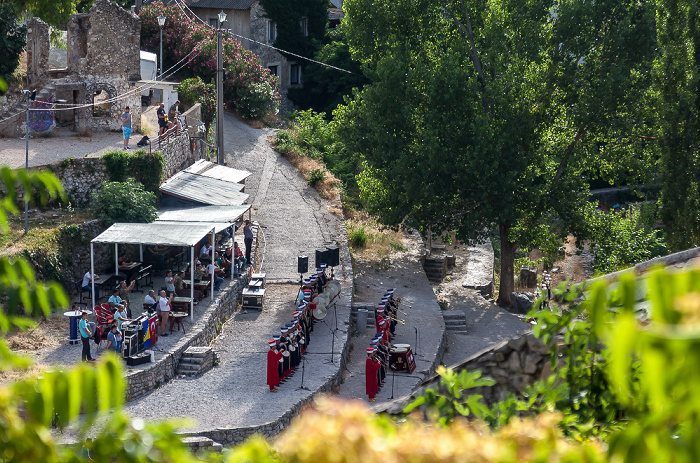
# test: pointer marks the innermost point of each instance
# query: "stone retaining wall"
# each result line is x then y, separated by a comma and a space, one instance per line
80, 178
513, 364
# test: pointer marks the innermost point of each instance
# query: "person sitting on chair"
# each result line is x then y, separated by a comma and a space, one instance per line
114, 339
114, 300
150, 299
87, 284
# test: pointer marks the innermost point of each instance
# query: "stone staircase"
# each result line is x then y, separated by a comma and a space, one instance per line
203, 444
195, 361
435, 269
455, 321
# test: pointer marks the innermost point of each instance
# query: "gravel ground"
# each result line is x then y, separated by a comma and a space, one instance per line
43, 151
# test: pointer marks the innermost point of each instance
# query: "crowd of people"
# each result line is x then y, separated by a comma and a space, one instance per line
377, 363
287, 348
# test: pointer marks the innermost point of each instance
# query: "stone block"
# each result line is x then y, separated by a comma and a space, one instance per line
532, 361
517, 343
536, 345
513, 363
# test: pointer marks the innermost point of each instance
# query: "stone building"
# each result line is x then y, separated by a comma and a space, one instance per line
102, 72
246, 20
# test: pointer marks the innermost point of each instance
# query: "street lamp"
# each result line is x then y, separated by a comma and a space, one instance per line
161, 23
220, 91
31, 96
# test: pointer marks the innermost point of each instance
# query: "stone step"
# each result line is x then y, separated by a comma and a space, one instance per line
197, 441
454, 322
192, 359
186, 364
197, 351
454, 314
458, 331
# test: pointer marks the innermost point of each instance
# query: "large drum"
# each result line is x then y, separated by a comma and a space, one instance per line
401, 358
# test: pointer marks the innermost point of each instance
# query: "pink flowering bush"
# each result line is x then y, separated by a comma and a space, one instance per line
249, 88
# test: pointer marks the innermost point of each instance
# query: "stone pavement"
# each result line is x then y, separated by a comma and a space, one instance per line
294, 219
424, 327
231, 400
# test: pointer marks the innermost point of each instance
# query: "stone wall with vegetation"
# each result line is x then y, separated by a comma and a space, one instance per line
80, 178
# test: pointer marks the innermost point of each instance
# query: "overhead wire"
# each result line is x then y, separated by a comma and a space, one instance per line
241, 37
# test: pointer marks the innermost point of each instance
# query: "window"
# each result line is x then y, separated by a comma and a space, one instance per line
271, 31
273, 69
214, 22
294, 74
304, 26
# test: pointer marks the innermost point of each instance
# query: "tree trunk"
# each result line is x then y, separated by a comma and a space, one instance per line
508, 249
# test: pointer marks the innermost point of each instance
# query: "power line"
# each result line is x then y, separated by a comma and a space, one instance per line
178, 2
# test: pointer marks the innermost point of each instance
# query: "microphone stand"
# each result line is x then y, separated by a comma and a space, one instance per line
303, 366
416, 352
332, 340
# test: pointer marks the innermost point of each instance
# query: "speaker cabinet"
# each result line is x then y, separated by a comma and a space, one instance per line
302, 264
333, 256
321, 257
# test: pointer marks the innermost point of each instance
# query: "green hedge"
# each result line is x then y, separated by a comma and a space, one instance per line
146, 168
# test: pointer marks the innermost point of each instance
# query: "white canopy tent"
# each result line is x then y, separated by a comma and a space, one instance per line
218, 216
181, 234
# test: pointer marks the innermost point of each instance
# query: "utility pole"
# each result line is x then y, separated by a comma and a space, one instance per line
220, 91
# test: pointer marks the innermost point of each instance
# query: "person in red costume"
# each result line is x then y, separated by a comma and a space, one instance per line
380, 317
371, 369
273, 359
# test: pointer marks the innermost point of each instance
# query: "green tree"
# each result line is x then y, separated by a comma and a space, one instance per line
12, 40
54, 12
677, 85
324, 87
124, 202
486, 114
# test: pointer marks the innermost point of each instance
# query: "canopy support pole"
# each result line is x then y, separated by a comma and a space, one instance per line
211, 255
192, 285
92, 272
233, 256
116, 260
141, 252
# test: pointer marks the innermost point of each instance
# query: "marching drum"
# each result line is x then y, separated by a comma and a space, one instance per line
320, 313
285, 354
402, 346
401, 358
292, 348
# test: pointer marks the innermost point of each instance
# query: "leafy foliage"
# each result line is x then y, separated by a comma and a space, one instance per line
676, 89
316, 175
309, 134
181, 34
444, 408
12, 40
124, 202
54, 12
325, 88
147, 168
256, 100
620, 240
194, 90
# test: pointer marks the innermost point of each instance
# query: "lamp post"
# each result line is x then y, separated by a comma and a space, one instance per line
31, 96
161, 23
220, 91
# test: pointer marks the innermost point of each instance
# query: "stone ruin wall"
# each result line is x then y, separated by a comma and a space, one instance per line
103, 56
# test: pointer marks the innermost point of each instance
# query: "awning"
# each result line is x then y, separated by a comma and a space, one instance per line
209, 169
217, 226
204, 190
206, 214
167, 234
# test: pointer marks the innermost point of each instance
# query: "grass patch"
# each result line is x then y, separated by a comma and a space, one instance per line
370, 241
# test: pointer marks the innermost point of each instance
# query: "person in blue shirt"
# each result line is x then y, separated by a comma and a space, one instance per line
85, 335
114, 339
114, 300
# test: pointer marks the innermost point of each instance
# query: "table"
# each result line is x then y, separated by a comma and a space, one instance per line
73, 318
176, 319
129, 268
182, 303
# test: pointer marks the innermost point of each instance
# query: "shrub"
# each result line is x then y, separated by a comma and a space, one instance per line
620, 240
256, 100
124, 202
317, 175
193, 91
12, 40
358, 236
147, 168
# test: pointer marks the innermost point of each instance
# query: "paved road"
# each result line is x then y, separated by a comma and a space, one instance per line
294, 219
